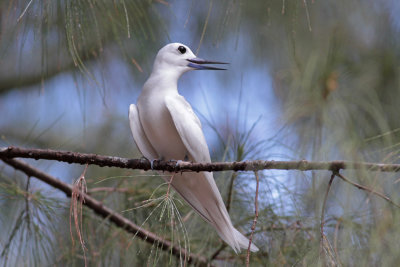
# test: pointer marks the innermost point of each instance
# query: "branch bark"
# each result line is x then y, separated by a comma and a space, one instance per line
108, 213
172, 166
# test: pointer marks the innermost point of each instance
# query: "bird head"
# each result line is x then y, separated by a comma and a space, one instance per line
176, 57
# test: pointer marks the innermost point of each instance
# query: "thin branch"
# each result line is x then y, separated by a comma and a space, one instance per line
23, 12
217, 252
204, 27
323, 237
335, 241
324, 204
230, 192
253, 227
105, 212
368, 190
171, 166
111, 189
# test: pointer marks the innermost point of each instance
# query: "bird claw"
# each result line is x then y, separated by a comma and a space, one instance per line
152, 163
178, 162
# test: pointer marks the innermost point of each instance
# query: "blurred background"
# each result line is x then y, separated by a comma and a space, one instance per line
314, 80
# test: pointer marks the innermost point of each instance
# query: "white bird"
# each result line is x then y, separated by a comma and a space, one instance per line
165, 127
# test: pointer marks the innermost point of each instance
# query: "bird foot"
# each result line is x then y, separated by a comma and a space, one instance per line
152, 162
178, 162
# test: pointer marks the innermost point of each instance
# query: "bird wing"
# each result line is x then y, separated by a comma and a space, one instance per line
138, 134
189, 128
199, 189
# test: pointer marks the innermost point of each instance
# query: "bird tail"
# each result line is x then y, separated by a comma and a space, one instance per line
230, 234
243, 241
200, 191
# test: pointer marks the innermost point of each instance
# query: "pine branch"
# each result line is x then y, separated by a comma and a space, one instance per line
107, 213
172, 166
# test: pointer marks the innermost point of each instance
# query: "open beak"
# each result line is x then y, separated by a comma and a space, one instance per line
197, 63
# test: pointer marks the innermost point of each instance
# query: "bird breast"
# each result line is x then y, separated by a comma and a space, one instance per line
159, 127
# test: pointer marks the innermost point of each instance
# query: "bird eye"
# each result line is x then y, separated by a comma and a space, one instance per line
182, 49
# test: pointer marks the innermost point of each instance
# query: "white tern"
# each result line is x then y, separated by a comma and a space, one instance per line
165, 127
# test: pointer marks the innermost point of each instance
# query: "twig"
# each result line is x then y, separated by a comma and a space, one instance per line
23, 12
171, 166
204, 27
322, 240
307, 15
217, 252
230, 192
324, 203
27, 199
335, 241
169, 185
253, 227
368, 190
110, 189
105, 212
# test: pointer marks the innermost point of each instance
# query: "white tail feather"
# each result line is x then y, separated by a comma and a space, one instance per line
200, 191
244, 242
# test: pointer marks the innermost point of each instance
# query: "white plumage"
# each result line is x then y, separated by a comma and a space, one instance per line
164, 126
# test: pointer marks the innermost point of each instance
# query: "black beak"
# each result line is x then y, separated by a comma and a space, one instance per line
197, 63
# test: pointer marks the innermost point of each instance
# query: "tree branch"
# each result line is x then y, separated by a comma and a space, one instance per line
108, 213
172, 166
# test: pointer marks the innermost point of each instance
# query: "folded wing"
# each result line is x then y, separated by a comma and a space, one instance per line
199, 189
189, 128
139, 136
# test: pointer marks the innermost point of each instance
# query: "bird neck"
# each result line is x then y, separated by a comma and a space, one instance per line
163, 81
